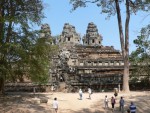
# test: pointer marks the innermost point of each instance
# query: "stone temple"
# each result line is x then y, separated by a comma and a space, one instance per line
85, 63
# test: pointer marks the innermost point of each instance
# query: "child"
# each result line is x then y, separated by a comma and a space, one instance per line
106, 102
55, 105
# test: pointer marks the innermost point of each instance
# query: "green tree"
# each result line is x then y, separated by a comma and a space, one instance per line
16, 36
140, 58
41, 60
112, 7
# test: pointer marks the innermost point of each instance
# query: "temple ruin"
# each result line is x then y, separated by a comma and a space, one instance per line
86, 63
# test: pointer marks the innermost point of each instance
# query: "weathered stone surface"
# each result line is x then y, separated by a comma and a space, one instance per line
69, 35
45, 31
87, 64
82, 65
92, 37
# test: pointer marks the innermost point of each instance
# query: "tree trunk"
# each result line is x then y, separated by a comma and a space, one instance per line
2, 80
126, 75
1, 22
1, 85
120, 27
124, 45
126, 57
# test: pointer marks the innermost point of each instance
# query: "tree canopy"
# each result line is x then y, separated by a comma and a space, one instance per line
22, 52
140, 58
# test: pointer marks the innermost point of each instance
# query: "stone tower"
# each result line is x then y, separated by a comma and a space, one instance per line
69, 35
92, 37
45, 31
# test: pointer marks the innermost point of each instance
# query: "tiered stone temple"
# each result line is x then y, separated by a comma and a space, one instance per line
92, 37
86, 65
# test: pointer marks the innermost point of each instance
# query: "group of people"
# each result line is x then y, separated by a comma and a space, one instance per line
132, 107
113, 102
81, 93
55, 102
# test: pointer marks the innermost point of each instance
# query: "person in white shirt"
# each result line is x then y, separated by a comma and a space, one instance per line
90, 92
80, 93
55, 105
106, 102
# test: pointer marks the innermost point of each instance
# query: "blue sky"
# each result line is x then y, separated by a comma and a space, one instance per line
57, 13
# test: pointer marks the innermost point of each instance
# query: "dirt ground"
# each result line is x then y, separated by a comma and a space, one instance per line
70, 102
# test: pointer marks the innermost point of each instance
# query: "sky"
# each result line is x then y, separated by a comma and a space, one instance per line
58, 12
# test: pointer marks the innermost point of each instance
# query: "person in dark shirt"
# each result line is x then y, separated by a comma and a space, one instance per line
121, 102
132, 108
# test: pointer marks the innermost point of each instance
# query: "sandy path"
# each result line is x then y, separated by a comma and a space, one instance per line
70, 103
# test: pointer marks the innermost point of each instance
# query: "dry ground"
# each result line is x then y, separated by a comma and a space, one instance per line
70, 103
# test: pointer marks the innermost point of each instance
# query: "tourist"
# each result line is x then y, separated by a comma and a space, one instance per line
132, 108
55, 105
115, 92
121, 102
52, 88
90, 92
106, 102
113, 103
80, 94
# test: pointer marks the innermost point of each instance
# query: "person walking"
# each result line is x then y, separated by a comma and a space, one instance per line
80, 94
90, 92
121, 102
115, 92
52, 88
55, 105
106, 102
113, 101
132, 108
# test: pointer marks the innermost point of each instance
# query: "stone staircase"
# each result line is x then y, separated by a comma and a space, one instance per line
62, 86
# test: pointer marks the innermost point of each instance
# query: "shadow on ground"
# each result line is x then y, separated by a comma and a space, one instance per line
141, 102
21, 103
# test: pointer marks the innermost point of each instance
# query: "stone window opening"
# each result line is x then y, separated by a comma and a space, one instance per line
92, 40
111, 63
100, 63
81, 63
89, 63
117, 63
122, 63
106, 63
94, 63
68, 38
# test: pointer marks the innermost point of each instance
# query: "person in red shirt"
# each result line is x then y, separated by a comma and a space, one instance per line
113, 103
